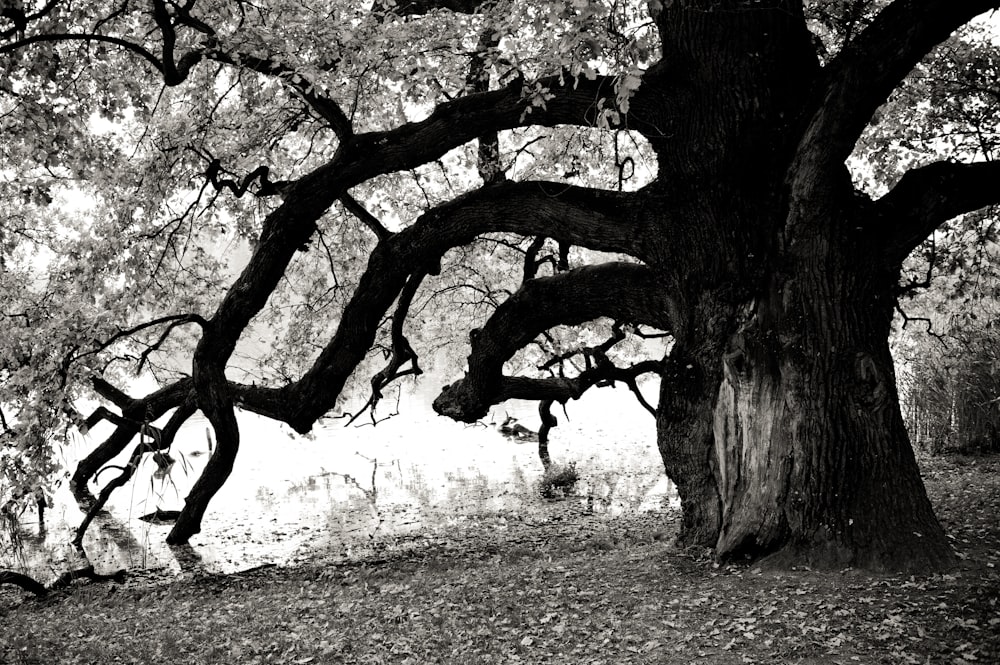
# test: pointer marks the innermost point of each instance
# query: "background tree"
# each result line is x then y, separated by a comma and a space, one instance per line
700, 151
948, 347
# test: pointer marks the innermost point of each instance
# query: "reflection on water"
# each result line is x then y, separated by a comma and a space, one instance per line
346, 488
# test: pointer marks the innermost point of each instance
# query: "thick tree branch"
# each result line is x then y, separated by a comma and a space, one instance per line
24, 581
103, 413
401, 352
596, 219
579, 216
291, 225
927, 197
863, 75
623, 291
588, 218
111, 393
160, 401
173, 73
126, 474
559, 389
153, 439
135, 414
457, 122
30, 584
592, 218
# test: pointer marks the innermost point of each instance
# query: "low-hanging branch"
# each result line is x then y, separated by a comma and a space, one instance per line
589, 218
136, 415
599, 370
592, 355
562, 389
103, 413
152, 440
401, 351
290, 226
32, 585
623, 291
127, 471
574, 215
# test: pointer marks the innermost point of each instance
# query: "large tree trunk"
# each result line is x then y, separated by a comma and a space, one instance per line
787, 440
778, 418
815, 465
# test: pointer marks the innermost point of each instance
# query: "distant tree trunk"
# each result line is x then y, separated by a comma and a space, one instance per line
42, 503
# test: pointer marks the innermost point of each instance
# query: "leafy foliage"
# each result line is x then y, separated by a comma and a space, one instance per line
558, 480
947, 349
283, 207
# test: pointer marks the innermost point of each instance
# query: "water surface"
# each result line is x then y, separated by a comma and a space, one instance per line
343, 489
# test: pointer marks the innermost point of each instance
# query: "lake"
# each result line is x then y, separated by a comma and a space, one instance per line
344, 489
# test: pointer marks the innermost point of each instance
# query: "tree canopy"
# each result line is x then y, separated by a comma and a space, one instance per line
270, 206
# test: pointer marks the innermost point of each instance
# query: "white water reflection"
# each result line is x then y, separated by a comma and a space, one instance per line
344, 488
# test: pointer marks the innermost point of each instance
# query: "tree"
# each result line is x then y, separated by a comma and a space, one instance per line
699, 150
947, 349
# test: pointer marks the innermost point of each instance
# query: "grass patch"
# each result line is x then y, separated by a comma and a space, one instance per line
558, 481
